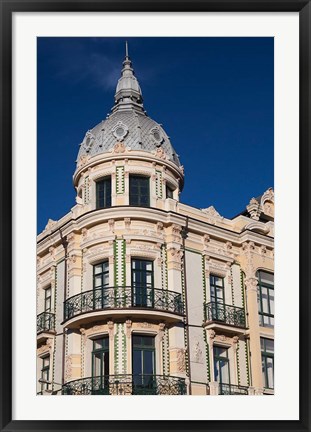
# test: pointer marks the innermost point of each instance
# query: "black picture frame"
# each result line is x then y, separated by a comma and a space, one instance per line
7, 9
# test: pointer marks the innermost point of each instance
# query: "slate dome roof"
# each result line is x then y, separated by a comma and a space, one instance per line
128, 123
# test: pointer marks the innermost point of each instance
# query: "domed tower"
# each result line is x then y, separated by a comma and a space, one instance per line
128, 158
138, 293
120, 285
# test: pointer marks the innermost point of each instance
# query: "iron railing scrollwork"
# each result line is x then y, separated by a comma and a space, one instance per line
123, 297
45, 322
226, 314
231, 389
126, 385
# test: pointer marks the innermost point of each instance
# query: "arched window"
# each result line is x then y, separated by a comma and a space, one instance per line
265, 298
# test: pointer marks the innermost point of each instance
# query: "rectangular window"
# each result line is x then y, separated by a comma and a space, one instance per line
221, 365
103, 193
100, 366
47, 300
142, 283
217, 298
45, 373
100, 283
267, 358
139, 191
143, 360
266, 298
169, 192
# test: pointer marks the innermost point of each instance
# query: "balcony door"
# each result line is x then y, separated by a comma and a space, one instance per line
100, 285
100, 366
142, 283
143, 360
221, 368
217, 298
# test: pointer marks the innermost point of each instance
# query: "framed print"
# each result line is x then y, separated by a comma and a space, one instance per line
155, 215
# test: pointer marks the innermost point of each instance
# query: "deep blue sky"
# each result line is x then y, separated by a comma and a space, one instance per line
213, 96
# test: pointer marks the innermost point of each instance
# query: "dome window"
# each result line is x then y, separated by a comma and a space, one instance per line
156, 136
120, 131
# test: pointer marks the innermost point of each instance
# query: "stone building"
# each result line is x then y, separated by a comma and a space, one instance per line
138, 293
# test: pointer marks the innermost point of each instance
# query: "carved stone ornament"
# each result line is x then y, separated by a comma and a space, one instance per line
160, 153
176, 230
128, 324
51, 223
212, 213
127, 223
268, 195
251, 284
161, 331
181, 360
159, 227
88, 141
263, 250
156, 135
111, 225
119, 147
211, 334
248, 249
235, 339
83, 160
110, 328
83, 335
176, 254
159, 261
68, 368
120, 130
197, 352
72, 259
254, 209
146, 325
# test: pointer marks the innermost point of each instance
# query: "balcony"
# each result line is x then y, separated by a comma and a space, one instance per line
224, 314
231, 389
142, 301
126, 385
45, 322
45, 325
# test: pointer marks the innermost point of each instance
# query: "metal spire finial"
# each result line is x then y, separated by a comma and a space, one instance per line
126, 49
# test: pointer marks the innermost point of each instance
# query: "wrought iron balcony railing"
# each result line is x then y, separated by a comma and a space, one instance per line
123, 297
226, 314
126, 385
45, 322
231, 389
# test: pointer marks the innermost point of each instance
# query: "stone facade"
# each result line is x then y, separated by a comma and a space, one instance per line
188, 249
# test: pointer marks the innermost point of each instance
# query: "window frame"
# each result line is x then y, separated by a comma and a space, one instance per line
104, 349
147, 287
222, 286
264, 356
45, 369
146, 380
107, 197
139, 195
269, 287
102, 274
224, 359
48, 299
171, 189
